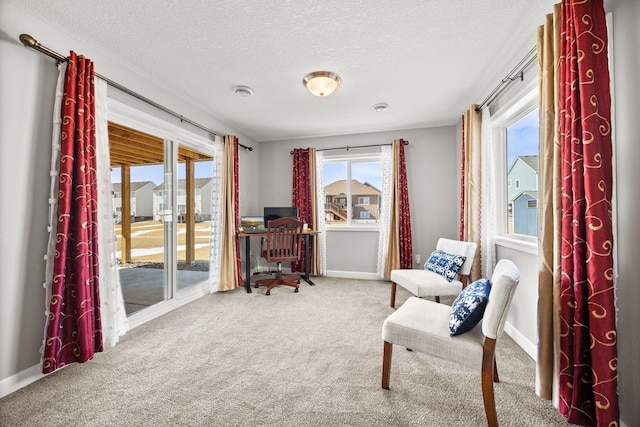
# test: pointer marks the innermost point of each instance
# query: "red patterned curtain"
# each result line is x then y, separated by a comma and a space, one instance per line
406, 246
302, 195
74, 332
588, 353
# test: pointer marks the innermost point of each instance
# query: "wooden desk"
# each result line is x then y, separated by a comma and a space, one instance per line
308, 236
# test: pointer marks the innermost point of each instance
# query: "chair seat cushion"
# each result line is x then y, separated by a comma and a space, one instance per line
469, 306
423, 326
425, 283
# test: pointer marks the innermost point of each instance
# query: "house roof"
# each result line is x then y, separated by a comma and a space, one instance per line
531, 161
357, 188
135, 186
531, 193
198, 183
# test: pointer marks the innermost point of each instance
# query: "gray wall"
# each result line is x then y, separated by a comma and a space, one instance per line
433, 191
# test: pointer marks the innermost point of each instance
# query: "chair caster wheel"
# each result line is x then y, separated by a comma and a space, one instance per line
296, 290
268, 293
256, 286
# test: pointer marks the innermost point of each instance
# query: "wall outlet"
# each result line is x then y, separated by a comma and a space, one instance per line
417, 257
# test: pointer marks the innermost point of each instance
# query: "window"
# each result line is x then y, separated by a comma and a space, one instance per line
352, 189
522, 148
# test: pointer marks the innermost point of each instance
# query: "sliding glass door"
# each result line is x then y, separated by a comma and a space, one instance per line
161, 193
195, 174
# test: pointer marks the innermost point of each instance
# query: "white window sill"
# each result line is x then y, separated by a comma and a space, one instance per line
523, 244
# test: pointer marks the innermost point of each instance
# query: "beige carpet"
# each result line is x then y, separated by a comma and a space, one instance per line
311, 358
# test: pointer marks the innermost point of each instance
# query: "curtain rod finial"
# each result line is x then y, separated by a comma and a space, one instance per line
27, 40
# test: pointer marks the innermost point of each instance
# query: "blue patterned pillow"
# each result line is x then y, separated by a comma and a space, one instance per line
444, 264
467, 310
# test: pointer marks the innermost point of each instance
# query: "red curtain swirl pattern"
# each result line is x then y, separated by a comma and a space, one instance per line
301, 196
74, 331
404, 221
236, 205
588, 353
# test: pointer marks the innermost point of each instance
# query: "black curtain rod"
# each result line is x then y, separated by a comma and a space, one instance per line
29, 41
346, 147
516, 73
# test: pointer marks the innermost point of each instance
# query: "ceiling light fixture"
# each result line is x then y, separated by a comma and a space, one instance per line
321, 83
243, 91
380, 107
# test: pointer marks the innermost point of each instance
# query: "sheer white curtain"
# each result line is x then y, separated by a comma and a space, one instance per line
321, 226
216, 215
385, 207
488, 189
112, 311
53, 192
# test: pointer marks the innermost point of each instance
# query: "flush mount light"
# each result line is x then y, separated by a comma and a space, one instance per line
380, 107
243, 91
321, 83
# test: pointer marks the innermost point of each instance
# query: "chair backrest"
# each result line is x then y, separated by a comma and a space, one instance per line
504, 280
457, 247
284, 240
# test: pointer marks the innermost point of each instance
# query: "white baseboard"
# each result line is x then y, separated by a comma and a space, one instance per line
529, 347
19, 380
352, 275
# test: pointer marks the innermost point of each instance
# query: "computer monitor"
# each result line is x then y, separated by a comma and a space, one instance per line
271, 213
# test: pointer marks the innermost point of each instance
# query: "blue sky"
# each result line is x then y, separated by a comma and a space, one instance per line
523, 137
155, 172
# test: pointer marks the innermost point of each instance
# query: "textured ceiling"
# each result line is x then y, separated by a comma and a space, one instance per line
428, 59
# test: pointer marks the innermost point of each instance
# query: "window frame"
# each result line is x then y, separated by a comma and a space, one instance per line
350, 158
521, 104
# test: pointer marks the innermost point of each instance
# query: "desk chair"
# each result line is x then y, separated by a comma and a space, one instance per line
425, 326
283, 243
425, 283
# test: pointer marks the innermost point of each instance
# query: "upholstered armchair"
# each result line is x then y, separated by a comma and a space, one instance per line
426, 326
441, 280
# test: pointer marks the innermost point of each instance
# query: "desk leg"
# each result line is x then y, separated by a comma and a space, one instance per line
307, 263
247, 263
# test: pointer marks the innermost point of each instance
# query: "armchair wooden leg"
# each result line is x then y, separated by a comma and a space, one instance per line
392, 301
488, 367
386, 364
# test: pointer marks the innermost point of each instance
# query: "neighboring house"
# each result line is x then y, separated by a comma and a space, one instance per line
525, 213
522, 193
141, 200
202, 200
365, 201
